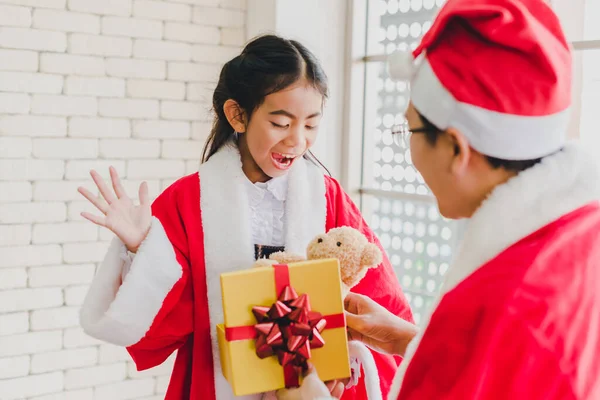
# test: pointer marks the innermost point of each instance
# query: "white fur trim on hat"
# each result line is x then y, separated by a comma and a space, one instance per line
401, 65
506, 136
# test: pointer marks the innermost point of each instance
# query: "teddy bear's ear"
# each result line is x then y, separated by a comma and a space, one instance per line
371, 255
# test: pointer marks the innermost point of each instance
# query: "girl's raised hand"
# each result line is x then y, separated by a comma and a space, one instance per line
128, 221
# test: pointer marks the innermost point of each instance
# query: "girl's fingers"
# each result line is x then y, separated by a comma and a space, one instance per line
100, 205
101, 221
338, 390
104, 190
116, 183
143, 194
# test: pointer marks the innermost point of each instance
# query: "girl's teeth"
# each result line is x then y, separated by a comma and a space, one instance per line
283, 160
283, 157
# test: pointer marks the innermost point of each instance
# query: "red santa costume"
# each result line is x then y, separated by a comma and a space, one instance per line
519, 312
170, 297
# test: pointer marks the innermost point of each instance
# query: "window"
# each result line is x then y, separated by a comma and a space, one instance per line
392, 194
588, 65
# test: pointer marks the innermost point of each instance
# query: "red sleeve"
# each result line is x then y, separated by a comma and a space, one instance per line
380, 284
483, 357
174, 322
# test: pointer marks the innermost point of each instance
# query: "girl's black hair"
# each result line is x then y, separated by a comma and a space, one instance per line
267, 65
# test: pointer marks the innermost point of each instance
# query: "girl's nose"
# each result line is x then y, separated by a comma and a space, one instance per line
295, 137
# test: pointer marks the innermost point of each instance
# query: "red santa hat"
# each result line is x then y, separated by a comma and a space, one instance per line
499, 71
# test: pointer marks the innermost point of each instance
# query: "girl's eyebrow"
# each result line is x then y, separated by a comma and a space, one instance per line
292, 116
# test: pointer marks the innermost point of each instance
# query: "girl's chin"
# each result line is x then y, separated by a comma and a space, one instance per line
269, 167
263, 173
274, 172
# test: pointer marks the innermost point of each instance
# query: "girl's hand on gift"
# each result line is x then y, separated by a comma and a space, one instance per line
336, 388
128, 221
376, 327
313, 388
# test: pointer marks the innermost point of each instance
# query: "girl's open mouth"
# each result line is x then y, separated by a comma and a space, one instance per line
283, 161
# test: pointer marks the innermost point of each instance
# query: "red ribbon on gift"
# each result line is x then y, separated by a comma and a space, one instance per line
288, 328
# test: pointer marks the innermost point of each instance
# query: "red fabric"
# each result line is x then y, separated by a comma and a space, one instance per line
512, 55
523, 326
235, 333
335, 321
183, 321
282, 278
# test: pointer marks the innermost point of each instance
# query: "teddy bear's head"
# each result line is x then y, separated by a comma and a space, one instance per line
351, 248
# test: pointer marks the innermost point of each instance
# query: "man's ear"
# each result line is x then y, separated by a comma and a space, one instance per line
461, 148
235, 115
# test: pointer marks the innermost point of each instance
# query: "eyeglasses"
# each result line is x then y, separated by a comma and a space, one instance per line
402, 133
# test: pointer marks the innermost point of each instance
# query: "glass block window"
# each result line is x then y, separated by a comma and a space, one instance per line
419, 243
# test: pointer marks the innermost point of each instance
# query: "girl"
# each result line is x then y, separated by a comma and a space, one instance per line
158, 289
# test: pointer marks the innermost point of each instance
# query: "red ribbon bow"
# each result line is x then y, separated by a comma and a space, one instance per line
289, 329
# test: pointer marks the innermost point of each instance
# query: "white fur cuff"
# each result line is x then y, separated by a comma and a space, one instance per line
122, 313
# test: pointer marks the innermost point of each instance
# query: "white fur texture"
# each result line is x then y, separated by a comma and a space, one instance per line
401, 65
227, 232
562, 183
122, 313
364, 355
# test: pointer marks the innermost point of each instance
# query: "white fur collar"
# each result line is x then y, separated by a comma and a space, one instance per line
227, 233
561, 183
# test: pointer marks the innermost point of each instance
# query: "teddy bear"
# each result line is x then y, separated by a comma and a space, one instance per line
354, 252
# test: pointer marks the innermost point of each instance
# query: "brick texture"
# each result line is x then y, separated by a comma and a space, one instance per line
89, 84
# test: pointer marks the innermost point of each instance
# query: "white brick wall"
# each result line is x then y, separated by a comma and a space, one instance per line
30, 83
75, 295
14, 103
13, 367
68, 64
33, 126
80, 43
132, 27
32, 385
63, 105
66, 21
33, 39
18, 60
88, 84
189, 72
162, 50
103, 87
15, 16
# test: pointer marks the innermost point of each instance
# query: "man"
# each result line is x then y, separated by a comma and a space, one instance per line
519, 312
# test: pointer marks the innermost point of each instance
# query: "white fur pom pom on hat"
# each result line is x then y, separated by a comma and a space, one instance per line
401, 65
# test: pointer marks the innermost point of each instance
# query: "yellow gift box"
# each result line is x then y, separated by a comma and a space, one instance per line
242, 290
